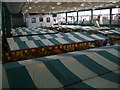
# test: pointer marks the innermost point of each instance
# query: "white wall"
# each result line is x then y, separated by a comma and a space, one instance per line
44, 23
0, 15
0, 46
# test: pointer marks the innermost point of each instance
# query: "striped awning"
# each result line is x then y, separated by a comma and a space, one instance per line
17, 43
86, 28
96, 69
31, 31
110, 32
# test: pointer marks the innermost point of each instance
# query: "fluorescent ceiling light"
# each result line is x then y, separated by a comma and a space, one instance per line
58, 3
29, 0
82, 4
53, 8
36, 1
113, 1
30, 7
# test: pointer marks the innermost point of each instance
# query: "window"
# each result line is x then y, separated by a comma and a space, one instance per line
116, 11
72, 17
103, 16
84, 17
61, 17
115, 16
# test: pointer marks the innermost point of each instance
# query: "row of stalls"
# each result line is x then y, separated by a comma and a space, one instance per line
27, 43
113, 34
23, 31
93, 68
42, 45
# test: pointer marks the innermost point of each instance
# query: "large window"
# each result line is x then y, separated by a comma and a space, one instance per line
72, 17
84, 17
103, 16
115, 16
61, 17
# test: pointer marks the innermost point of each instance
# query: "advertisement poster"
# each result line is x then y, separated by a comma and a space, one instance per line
41, 19
33, 20
48, 19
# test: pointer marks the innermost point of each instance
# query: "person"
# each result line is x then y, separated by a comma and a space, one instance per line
98, 18
83, 21
96, 23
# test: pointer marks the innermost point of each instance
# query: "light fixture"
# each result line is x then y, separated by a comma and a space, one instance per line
29, 0
58, 3
101, 5
117, 6
53, 8
30, 7
82, 4
26, 10
113, 1
43, 10
36, 1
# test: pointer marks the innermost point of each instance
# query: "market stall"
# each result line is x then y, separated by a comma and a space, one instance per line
42, 45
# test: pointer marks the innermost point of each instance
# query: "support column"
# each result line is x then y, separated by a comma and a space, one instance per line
91, 22
110, 22
77, 17
66, 17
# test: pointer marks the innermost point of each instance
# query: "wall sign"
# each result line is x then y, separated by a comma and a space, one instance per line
33, 20
48, 19
41, 19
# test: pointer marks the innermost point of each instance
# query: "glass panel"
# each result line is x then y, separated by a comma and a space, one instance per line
72, 17
115, 10
115, 16
84, 17
105, 11
87, 12
61, 17
81, 13
96, 12
115, 19
104, 19
102, 16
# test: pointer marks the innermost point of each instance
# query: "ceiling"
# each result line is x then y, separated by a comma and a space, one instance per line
48, 7
14, 7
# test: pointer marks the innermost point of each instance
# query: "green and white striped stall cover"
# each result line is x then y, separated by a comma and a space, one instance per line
31, 31
87, 28
17, 43
96, 69
110, 32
